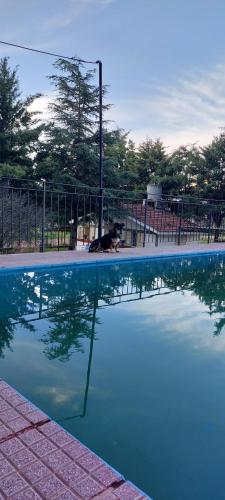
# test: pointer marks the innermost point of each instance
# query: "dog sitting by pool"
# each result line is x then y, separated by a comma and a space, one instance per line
109, 241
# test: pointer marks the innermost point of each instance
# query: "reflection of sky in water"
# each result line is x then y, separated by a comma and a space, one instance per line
178, 317
152, 393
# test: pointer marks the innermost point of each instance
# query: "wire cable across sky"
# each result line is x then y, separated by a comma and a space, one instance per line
47, 53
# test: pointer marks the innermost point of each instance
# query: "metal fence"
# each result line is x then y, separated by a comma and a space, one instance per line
42, 217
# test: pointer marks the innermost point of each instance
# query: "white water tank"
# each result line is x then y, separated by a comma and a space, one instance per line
154, 192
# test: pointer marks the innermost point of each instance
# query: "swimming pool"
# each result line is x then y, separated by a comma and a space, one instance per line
130, 358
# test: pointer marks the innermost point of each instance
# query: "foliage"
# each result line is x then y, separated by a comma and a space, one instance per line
19, 128
68, 300
20, 219
71, 148
66, 149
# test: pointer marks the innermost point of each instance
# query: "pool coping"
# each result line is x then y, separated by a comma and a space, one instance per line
119, 259
39, 459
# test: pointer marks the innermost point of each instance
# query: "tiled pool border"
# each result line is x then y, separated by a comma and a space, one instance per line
39, 459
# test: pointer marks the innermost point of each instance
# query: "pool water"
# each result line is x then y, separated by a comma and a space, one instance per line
129, 358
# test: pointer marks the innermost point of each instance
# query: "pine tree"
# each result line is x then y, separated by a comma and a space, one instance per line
19, 129
152, 160
71, 149
211, 175
181, 171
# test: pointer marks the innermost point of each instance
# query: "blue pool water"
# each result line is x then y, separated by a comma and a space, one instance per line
130, 358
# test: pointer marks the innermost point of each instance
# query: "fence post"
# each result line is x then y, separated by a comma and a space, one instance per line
180, 219
209, 226
145, 219
42, 247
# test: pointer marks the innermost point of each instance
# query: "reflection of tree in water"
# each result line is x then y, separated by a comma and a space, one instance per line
17, 298
206, 279
66, 332
68, 298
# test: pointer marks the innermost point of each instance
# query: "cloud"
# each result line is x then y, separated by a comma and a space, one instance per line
59, 395
185, 320
74, 9
41, 105
191, 110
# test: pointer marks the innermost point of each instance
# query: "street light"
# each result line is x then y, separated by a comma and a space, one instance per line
100, 85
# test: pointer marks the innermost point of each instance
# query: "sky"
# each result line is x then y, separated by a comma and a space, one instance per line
164, 60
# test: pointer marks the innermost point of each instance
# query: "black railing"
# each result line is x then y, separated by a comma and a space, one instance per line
40, 216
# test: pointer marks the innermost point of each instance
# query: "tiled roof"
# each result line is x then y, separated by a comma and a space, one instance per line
159, 220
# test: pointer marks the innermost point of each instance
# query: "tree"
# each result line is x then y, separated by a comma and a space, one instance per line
179, 175
117, 172
20, 219
19, 129
152, 161
70, 152
131, 164
211, 175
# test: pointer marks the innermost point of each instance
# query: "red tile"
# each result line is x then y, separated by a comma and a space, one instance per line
36, 416
35, 471
68, 495
8, 393
88, 488
18, 424
106, 495
127, 491
50, 428
41, 448
72, 474
4, 405
106, 475
12, 484
61, 438
26, 408
27, 494
22, 458
57, 460
3, 385
50, 487
75, 449
5, 468
11, 446
4, 431
17, 400
8, 415
30, 437
90, 461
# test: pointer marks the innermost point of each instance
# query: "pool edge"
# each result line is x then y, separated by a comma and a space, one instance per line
103, 262
111, 482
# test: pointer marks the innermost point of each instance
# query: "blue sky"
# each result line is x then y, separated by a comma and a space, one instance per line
163, 59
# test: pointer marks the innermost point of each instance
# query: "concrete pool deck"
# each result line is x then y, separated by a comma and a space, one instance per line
24, 260
38, 459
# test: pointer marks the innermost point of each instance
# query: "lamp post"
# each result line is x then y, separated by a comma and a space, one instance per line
100, 86
100, 219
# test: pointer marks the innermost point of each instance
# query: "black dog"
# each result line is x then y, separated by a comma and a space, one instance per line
108, 241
